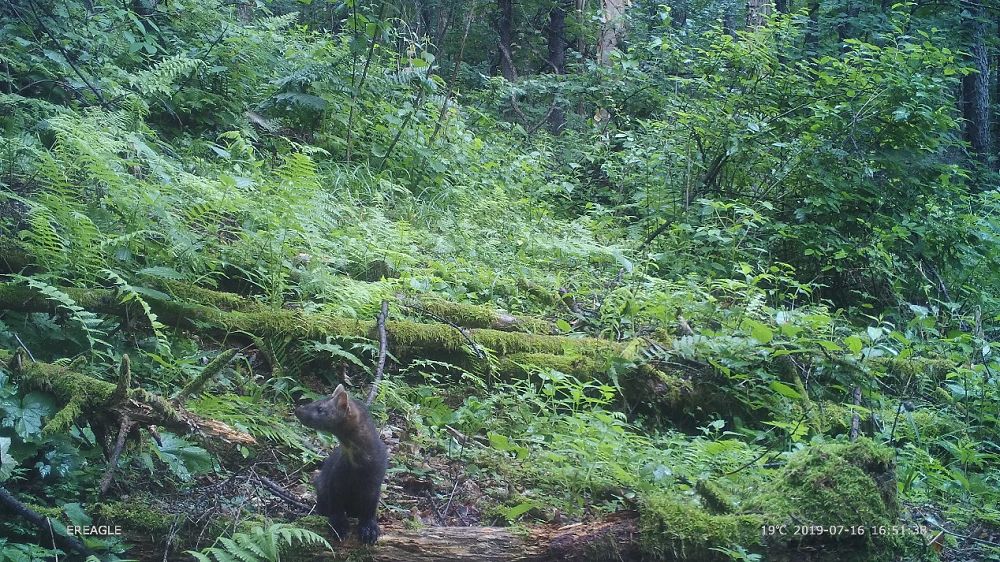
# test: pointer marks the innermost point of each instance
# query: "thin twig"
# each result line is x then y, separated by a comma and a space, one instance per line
383, 345
123, 430
24, 347
461, 330
961, 536
282, 493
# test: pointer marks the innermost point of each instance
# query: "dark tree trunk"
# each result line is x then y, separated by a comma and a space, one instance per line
556, 34
976, 86
729, 20
812, 30
505, 28
845, 29
781, 6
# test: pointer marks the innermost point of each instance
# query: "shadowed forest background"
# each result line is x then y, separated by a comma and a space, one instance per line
694, 280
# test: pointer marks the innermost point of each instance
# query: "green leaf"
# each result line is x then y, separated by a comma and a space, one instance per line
183, 458
27, 416
785, 390
761, 332
7, 462
854, 344
512, 513
829, 345
875, 333
564, 326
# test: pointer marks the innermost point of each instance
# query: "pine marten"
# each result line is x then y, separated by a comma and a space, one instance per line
350, 481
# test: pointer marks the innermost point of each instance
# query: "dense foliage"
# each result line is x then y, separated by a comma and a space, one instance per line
745, 265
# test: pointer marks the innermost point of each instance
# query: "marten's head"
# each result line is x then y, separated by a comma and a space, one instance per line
336, 413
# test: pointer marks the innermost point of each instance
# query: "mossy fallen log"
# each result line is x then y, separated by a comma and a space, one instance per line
84, 396
13, 258
507, 355
475, 316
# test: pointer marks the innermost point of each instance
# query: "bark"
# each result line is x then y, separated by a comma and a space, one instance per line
244, 11
614, 538
976, 86
505, 29
95, 399
781, 6
758, 12
555, 32
474, 316
812, 29
612, 29
729, 20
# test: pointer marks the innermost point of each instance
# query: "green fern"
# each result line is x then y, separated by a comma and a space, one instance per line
261, 544
88, 322
130, 294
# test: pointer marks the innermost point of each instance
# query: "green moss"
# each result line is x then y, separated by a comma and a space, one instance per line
840, 484
671, 530
912, 371
521, 364
216, 365
930, 425
836, 483
192, 293
714, 497
477, 316
81, 393
135, 516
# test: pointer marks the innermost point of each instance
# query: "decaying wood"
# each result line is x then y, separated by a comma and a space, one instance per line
510, 353
124, 428
613, 538
213, 367
89, 397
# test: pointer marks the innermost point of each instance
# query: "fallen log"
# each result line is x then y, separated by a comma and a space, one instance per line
613, 538
475, 316
107, 404
511, 354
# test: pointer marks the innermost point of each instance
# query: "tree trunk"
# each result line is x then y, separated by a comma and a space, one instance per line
729, 19
781, 6
758, 12
976, 86
812, 29
845, 28
244, 11
612, 29
556, 34
505, 28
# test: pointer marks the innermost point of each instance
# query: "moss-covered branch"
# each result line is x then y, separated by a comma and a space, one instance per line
475, 316
86, 396
407, 339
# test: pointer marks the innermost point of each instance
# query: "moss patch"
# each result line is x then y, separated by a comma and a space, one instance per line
671, 530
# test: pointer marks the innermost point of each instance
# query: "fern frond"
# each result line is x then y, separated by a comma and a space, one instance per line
261, 544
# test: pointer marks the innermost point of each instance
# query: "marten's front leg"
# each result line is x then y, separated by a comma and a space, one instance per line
368, 530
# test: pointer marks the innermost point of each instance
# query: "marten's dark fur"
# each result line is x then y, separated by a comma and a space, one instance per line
350, 481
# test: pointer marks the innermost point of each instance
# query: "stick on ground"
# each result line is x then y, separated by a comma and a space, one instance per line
382, 351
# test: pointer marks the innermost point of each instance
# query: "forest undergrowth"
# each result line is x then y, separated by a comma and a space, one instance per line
743, 299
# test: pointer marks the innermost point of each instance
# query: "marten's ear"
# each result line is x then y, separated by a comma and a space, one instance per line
340, 397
